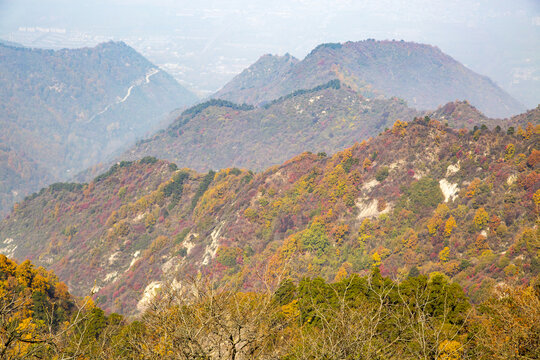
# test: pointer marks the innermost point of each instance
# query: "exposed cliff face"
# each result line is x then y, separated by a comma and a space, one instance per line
420, 74
419, 195
66, 110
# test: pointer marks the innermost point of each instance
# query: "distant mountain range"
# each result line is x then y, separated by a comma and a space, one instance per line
69, 110
63, 111
420, 74
419, 196
351, 177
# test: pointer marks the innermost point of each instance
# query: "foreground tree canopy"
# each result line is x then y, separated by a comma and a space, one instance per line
373, 317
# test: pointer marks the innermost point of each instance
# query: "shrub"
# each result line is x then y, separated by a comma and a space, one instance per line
425, 194
382, 173
149, 160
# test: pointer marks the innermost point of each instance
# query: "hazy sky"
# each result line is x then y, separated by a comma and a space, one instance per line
204, 43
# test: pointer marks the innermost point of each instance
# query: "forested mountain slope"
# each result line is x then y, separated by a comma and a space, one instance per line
420, 74
420, 197
63, 111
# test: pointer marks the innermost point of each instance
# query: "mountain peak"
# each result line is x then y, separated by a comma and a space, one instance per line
277, 58
459, 112
421, 74
266, 70
111, 44
69, 109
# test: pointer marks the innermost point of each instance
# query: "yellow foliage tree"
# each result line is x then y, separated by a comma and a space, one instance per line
444, 253
450, 350
291, 310
399, 127
339, 232
442, 210
149, 220
366, 164
521, 132
529, 130
433, 224
449, 226
410, 239
473, 186
481, 218
536, 200
341, 274
509, 151
250, 214
376, 259
113, 218
121, 228
481, 243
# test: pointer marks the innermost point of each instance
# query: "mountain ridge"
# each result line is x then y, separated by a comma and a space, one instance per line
421, 74
218, 135
329, 117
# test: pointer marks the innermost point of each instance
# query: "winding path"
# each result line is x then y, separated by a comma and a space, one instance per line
137, 82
